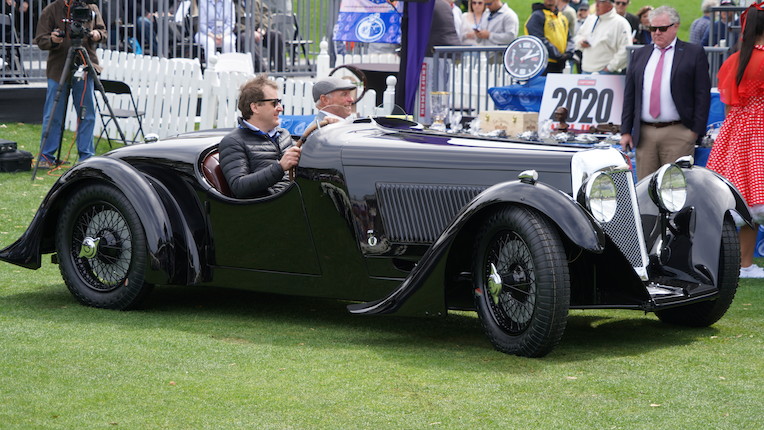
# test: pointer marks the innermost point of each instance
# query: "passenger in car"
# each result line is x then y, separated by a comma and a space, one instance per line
333, 97
256, 156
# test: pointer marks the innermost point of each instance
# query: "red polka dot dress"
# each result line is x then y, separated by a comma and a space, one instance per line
738, 152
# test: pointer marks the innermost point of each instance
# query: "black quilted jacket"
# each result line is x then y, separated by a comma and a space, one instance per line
250, 162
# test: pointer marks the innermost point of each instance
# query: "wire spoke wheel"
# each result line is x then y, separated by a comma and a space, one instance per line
513, 305
108, 268
102, 248
521, 282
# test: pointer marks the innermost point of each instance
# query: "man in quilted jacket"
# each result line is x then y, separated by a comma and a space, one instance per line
256, 156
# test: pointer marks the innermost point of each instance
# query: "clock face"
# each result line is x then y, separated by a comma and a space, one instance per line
525, 57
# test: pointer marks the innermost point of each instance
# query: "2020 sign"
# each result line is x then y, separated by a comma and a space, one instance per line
590, 99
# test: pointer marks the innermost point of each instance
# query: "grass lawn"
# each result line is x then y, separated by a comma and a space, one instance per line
197, 358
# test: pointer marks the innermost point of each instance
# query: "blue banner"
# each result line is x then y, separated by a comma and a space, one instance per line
377, 21
296, 124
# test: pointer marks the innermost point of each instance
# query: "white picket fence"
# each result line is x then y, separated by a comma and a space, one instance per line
172, 91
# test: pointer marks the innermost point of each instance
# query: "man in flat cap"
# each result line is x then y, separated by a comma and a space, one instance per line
334, 98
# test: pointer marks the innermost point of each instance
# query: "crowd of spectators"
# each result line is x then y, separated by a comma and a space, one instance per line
598, 35
229, 25
134, 25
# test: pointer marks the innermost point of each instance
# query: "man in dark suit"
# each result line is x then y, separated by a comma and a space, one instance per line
665, 116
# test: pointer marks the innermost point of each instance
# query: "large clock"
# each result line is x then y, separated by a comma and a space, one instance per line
525, 57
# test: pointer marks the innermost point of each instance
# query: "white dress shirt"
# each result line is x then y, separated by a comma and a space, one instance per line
668, 107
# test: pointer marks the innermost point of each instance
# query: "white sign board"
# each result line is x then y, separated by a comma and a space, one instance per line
590, 99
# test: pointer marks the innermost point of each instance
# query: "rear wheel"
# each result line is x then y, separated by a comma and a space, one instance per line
704, 314
101, 249
521, 282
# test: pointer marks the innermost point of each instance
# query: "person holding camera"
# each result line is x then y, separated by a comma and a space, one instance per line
61, 22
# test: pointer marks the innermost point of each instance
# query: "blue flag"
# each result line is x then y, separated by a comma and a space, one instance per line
376, 21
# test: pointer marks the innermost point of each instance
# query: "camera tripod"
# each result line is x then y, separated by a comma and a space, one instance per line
67, 77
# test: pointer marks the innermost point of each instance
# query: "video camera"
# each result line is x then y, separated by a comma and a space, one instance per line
79, 15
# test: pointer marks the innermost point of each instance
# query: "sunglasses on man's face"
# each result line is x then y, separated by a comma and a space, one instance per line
622, 3
274, 102
661, 28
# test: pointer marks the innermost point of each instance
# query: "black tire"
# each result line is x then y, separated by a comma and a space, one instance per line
530, 316
111, 275
704, 314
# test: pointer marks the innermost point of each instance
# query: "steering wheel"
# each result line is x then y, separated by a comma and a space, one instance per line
308, 131
360, 79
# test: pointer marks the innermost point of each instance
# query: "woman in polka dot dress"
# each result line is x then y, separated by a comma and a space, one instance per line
738, 152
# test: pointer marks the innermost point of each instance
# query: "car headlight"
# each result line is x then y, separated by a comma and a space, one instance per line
668, 188
601, 196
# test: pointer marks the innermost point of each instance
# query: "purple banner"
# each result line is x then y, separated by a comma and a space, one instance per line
419, 22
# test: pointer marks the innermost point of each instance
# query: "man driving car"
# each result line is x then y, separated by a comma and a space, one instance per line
256, 156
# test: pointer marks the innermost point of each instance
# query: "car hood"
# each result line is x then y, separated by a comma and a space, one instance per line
368, 146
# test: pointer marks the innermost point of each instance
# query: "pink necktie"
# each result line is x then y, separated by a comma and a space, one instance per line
655, 93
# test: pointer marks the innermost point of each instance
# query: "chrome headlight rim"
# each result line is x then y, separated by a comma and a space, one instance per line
601, 196
668, 188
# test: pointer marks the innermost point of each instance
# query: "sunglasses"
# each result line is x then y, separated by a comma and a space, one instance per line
622, 3
661, 28
274, 102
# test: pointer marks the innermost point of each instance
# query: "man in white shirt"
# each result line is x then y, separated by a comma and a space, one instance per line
216, 24
503, 24
603, 39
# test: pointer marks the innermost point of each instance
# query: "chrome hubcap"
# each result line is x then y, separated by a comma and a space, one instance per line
89, 248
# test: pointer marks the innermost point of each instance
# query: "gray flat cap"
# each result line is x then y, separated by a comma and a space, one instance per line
329, 84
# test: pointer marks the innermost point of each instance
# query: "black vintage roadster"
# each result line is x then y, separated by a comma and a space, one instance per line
400, 220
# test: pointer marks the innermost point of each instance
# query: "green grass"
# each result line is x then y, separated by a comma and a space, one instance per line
197, 358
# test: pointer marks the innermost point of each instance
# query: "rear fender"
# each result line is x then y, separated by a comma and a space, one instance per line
422, 292
39, 237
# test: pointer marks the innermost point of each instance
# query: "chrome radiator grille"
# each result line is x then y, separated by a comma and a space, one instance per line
416, 213
625, 229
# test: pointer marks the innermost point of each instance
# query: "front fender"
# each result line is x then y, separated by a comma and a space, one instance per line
712, 197
426, 278
39, 237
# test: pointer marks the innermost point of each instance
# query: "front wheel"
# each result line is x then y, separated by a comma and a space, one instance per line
704, 314
521, 282
101, 249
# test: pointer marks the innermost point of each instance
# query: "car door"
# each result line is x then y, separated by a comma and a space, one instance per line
268, 234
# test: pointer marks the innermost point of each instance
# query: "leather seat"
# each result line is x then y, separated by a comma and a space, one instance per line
214, 174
